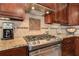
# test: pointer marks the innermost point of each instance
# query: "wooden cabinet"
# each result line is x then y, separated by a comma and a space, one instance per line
20, 51
60, 12
67, 47
77, 46
73, 14
70, 46
61, 16
49, 18
12, 10
67, 14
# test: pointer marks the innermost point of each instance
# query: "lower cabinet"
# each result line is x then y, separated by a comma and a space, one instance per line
20, 51
70, 46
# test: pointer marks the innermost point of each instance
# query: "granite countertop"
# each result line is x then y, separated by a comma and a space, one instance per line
19, 42
13, 43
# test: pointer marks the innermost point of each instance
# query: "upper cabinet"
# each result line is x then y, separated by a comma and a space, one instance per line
12, 10
49, 18
61, 11
73, 15
67, 14
64, 13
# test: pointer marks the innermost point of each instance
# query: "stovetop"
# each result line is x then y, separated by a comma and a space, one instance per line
40, 40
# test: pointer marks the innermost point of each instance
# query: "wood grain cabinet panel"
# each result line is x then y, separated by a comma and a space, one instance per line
67, 48
20, 51
73, 17
49, 18
77, 47
61, 13
65, 13
12, 10
70, 46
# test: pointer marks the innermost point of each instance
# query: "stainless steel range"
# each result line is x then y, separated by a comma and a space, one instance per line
44, 47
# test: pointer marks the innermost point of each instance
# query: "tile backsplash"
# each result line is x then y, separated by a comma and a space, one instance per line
22, 28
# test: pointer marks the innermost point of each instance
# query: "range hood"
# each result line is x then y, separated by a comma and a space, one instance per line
37, 9
36, 12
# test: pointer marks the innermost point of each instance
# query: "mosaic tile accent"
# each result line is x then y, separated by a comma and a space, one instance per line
34, 24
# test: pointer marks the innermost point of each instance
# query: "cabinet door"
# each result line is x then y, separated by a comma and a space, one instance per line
61, 14
73, 14
19, 9
77, 46
13, 10
7, 8
20, 51
4, 7
49, 18
68, 47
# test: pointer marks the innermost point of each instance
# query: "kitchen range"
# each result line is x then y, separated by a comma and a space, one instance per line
39, 29
43, 45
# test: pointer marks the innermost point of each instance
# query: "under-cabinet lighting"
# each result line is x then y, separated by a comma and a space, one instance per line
2, 18
47, 12
33, 7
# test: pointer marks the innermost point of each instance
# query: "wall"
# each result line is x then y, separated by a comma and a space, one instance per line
23, 32
22, 28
